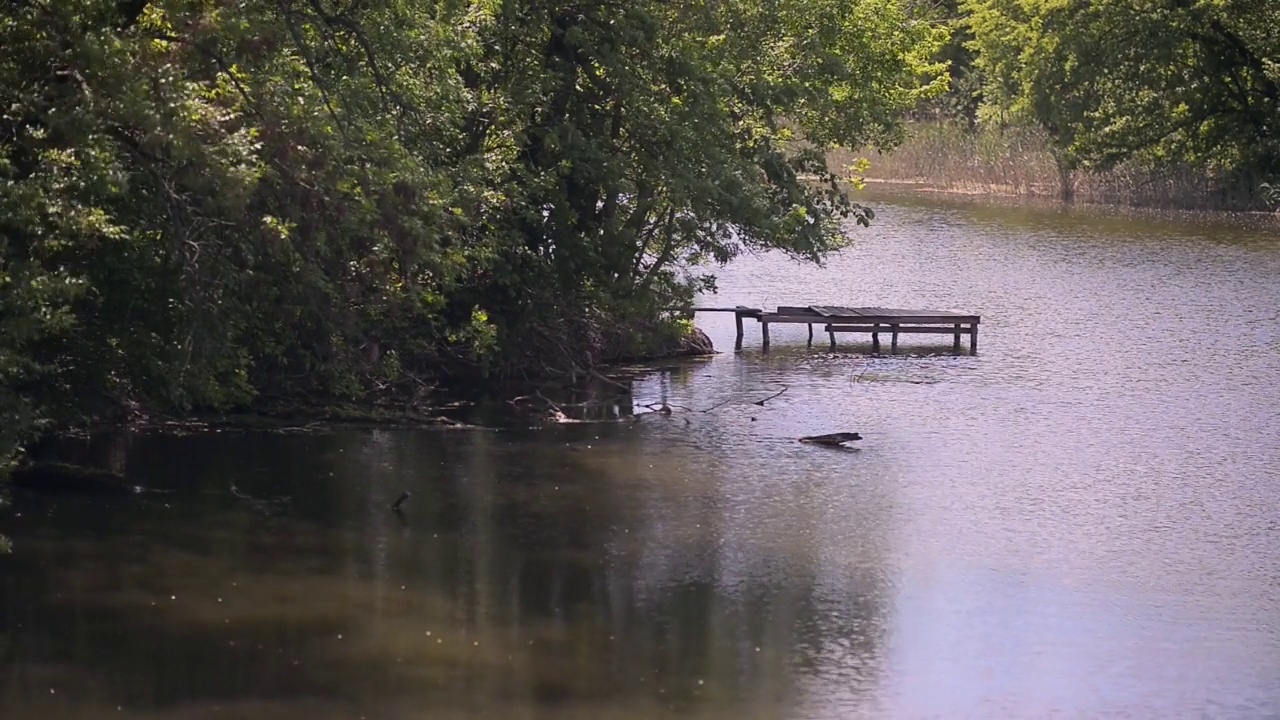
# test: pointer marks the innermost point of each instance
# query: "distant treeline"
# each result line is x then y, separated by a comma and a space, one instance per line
1153, 102
994, 159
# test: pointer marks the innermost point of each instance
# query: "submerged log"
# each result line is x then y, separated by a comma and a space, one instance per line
272, 506
400, 501
832, 439
57, 477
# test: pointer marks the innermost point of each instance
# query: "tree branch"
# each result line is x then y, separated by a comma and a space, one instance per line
762, 402
385, 88
668, 252
287, 11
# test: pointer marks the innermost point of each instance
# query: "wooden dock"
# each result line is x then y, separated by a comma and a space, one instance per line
873, 320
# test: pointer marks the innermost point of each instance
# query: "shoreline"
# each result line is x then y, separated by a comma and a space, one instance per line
468, 406
499, 407
1009, 195
946, 156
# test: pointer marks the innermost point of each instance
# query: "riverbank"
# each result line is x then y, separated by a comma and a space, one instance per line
1017, 162
593, 395
425, 402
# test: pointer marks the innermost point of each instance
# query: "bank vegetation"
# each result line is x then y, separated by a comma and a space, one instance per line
1164, 103
210, 206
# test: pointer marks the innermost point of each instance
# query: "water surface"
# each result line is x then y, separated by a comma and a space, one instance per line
1081, 521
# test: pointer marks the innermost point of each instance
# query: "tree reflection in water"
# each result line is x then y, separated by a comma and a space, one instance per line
557, 573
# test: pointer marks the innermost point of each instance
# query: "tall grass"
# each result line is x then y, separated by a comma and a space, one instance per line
1014, 160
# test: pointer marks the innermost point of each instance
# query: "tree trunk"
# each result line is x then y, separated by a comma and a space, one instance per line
1066, 179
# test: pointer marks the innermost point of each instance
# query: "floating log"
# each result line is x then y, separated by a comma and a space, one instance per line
832, 438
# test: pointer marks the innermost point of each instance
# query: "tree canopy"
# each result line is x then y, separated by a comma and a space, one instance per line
1194, 81
217, 204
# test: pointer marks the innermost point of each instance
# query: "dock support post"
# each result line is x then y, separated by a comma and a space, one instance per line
810, 334
764, 333
973, 339
893, 348
875, 339
955, 346
832, 333
737, 320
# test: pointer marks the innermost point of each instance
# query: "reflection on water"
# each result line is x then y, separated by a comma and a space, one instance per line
1080, 522
558, 573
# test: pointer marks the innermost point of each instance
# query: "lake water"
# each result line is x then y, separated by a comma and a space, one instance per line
1082, 521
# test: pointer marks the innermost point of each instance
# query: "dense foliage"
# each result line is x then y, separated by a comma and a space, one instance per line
216, 204
1192, 82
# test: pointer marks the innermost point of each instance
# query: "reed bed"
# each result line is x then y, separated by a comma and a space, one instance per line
947, 156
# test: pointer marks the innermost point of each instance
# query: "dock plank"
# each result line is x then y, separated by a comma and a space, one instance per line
902, 330
796, 310
880, 312
916, 319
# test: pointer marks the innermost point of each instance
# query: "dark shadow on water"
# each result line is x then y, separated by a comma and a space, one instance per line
519, 577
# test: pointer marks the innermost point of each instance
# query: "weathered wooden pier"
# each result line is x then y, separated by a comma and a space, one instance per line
873, 320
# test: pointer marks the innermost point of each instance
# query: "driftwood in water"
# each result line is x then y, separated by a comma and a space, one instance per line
57, 477
762, 402
834, 439
665, 408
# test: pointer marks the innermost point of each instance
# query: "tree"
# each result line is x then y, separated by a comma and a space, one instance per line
651, 137
210, 205
1163, 80
963, 96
